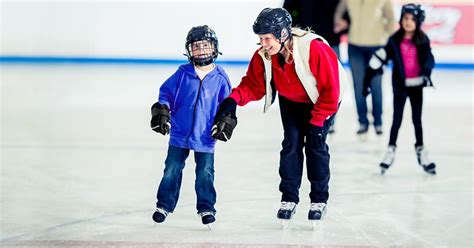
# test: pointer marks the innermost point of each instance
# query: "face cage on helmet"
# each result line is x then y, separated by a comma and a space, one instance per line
202, 60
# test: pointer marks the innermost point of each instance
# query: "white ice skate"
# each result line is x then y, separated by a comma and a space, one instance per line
423, 161
285, 213
388, 159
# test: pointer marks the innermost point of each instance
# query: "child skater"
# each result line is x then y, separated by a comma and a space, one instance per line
409, 49
186, 108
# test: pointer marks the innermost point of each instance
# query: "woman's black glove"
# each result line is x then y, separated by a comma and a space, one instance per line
225, 120
318, 135
160, 118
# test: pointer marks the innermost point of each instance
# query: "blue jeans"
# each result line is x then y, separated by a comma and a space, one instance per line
168, 191
359, 57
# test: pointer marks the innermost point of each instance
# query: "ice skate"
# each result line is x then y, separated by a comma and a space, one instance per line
208, 218
159, 215
317, 211
388, 159
422, 156
378, 130
286, 212
363, 129
362, 133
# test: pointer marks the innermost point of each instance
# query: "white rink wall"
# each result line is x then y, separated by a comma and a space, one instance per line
154, 29
157, 29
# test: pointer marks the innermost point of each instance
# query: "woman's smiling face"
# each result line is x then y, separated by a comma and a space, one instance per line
270, 43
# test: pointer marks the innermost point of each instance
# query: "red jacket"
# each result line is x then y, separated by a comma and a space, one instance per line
323, 64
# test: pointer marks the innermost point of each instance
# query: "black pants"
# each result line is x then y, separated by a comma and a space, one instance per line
295, 118
416, 99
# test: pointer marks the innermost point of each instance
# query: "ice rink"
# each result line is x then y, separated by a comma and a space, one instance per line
80, 167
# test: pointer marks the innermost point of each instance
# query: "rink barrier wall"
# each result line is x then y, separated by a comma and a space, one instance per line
94, 60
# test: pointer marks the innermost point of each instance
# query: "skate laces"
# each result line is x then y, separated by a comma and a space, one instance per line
162, 211
422, 155
206, 213
389, 156
318, 206
287, 205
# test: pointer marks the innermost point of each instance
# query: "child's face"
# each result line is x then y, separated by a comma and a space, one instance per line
408, 23
202, 49
270, 43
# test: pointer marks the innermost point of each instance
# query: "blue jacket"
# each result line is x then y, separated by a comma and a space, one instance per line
193, 105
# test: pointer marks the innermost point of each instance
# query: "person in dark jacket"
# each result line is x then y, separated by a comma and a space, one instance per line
319, 17
409, 49
186, 108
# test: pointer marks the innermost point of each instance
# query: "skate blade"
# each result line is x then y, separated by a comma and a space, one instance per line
430, 172
316, 225
363, 137
209, 227
285, 224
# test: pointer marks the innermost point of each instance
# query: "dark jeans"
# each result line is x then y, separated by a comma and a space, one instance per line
295, 118
168, 191
416, 99
359, 57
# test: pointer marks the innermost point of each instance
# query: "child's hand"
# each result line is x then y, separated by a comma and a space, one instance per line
368, 76
160, 118
223, 127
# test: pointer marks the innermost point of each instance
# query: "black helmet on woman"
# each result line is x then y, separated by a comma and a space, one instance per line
276, 21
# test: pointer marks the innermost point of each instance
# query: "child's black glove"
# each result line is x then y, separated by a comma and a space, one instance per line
223, 127
225, 120
160, 118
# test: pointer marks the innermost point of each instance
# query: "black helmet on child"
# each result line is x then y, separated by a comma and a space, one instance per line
417, 12
276, 21
202, 33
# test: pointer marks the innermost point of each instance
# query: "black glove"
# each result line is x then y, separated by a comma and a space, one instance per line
368, 76
160, 118
223, 127
227, 106
225, 121
318, 135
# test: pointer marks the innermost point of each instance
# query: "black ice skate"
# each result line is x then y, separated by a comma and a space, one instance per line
388, 159
286, 211
207, 218
317, 211
159, 215
423, 161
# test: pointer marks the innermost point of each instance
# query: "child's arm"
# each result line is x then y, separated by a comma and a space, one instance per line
375, 67
224, 125
168, 90
429, 64
160, 111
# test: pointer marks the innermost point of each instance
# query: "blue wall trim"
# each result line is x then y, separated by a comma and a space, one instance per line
92, 60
